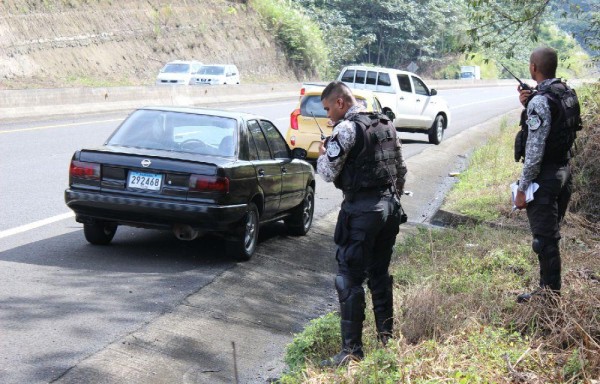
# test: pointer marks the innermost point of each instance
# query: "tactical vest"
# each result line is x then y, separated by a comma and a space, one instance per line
566, 121
371, 163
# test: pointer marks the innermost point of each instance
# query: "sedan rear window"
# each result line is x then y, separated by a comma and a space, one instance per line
178, 131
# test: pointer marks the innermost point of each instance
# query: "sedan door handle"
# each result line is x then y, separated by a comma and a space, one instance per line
261, 172
401, 98
418, 100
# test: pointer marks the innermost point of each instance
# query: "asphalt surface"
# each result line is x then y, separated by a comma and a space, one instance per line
236, 328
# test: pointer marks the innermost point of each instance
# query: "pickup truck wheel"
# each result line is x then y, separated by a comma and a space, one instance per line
242, 247
436, 132
300, 221
99, 232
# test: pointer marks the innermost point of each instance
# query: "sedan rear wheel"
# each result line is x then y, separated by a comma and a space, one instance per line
300, 221
99, 232
436, 132
243, 246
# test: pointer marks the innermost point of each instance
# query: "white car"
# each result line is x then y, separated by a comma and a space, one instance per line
178, 72
417, 107
216, 74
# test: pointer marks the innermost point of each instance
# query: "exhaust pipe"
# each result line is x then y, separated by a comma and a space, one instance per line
185, 232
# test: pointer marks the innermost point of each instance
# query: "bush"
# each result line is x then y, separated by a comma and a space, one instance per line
299, 35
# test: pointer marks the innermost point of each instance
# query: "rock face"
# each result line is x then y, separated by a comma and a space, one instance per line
65, 43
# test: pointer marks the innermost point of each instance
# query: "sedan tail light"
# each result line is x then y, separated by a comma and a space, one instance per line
83, 170
294, 119
203, 183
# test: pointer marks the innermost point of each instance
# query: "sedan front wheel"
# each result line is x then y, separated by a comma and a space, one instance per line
300, 220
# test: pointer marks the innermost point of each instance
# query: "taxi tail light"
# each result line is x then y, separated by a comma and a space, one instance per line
302, 91
294, 119
203, 183
84, 170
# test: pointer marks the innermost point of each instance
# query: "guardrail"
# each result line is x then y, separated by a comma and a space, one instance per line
47, 102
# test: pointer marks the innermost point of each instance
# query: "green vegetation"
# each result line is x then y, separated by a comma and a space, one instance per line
456, 319
301, 37
435, 34
483, 191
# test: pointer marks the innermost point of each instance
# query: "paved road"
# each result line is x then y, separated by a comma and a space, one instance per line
62, 300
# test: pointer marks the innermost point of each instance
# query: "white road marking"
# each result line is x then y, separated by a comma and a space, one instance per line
35, 224
59, 126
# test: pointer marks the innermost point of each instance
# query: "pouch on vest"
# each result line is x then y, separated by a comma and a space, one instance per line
521, 138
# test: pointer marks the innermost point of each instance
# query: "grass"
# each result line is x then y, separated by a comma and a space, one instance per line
483, 191
456, 318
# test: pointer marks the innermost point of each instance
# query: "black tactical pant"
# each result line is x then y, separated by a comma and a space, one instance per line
545, 214
365, 235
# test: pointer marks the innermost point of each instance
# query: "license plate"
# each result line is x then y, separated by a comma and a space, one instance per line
147, 181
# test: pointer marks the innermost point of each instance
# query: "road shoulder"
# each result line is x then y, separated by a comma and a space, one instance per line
242, 321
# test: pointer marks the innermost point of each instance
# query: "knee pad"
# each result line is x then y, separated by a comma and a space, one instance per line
343, 285
347, 291
545, 247
537, 244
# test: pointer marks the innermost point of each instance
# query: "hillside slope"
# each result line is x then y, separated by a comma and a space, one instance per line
64, 43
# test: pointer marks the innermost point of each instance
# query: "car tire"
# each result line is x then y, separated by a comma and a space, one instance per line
99, 232
436, 132
301, 217
243, 245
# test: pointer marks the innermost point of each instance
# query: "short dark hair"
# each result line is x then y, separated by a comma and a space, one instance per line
337, 89
546, 59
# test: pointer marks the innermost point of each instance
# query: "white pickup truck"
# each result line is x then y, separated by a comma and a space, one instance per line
417, 107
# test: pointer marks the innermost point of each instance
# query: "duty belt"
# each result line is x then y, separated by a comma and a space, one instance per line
368, 192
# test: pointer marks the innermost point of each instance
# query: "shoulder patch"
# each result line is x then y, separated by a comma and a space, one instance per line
334, 149
534, 122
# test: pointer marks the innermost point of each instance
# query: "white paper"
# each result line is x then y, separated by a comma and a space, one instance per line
514, 187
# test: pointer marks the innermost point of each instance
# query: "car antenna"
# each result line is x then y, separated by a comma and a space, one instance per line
322, 133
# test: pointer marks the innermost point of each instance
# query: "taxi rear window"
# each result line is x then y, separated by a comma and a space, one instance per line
312, 105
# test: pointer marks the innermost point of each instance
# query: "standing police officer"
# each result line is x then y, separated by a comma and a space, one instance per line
363, 158
552, 117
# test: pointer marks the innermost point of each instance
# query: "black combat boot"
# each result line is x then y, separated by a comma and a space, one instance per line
383, 307
351, 345
352, 313
550, 269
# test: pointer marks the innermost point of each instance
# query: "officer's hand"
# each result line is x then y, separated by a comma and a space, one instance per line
523, 95
520, 202
322, 148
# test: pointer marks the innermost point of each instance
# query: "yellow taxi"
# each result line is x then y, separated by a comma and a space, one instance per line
306, 119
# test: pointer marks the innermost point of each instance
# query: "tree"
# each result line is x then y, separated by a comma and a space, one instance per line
501, 23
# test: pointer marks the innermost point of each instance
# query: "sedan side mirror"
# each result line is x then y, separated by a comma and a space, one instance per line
299, 153
389, 113
433, 92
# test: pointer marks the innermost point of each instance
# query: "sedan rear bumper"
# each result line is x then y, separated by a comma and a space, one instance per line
152, 213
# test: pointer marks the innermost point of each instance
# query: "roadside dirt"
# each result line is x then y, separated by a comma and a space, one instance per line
65, 43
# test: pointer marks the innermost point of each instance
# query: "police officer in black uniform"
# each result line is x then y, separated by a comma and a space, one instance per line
552, 119
363, 158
